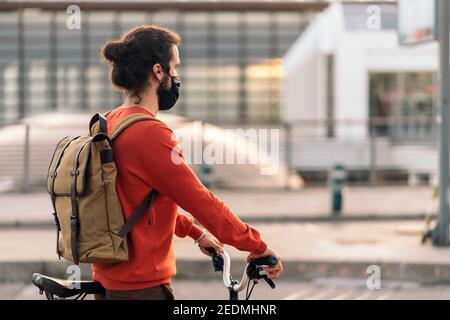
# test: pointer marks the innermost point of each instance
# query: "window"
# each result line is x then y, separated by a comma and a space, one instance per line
403, 104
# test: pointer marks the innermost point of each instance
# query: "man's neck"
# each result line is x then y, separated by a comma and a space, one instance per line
148, 102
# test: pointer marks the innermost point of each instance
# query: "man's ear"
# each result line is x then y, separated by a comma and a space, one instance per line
158, 72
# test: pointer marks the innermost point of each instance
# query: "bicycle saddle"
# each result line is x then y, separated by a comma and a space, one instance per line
65, 288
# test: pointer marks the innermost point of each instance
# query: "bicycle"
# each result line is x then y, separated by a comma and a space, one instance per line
61, 289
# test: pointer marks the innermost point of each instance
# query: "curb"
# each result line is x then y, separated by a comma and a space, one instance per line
21, 271
330, 218
254, 219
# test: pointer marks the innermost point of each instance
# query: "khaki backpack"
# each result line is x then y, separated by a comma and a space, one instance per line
81, 181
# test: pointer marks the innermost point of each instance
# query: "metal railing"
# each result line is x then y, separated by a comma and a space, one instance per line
405, 145
374, 147
26, 150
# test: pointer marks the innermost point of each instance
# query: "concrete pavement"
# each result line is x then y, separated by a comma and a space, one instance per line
308, 204
309, 249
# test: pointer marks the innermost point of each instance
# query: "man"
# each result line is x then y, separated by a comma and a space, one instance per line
144, 65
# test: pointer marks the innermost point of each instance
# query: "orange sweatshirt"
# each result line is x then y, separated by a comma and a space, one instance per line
143, 155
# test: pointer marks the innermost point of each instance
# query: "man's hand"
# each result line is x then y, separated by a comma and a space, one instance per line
273, 272
209, 241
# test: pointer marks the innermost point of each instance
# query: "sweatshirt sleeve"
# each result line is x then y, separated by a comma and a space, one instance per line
171, 176
185, 227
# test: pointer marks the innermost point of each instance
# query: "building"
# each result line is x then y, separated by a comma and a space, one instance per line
353, 95
50, 66
231, 66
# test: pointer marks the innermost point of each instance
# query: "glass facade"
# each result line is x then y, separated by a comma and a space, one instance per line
404, 104
231, 67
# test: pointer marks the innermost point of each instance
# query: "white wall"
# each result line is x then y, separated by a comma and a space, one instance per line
384, 54
360, 53
304, 84
351, 83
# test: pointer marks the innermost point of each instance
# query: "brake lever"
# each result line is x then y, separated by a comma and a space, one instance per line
263, 275
269, 282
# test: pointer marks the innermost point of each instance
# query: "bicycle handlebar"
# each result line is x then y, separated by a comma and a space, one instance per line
253, 270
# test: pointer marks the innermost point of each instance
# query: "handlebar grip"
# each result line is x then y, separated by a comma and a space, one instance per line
217, 259
265, 261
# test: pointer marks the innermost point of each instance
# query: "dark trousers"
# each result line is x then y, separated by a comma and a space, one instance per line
161, 292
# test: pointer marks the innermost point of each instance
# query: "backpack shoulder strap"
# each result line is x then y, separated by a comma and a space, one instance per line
127, 121
146, 203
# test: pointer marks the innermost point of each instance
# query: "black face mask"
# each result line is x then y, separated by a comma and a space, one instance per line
168, 97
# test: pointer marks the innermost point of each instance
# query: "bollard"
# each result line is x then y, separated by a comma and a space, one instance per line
337, 180
206, 171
